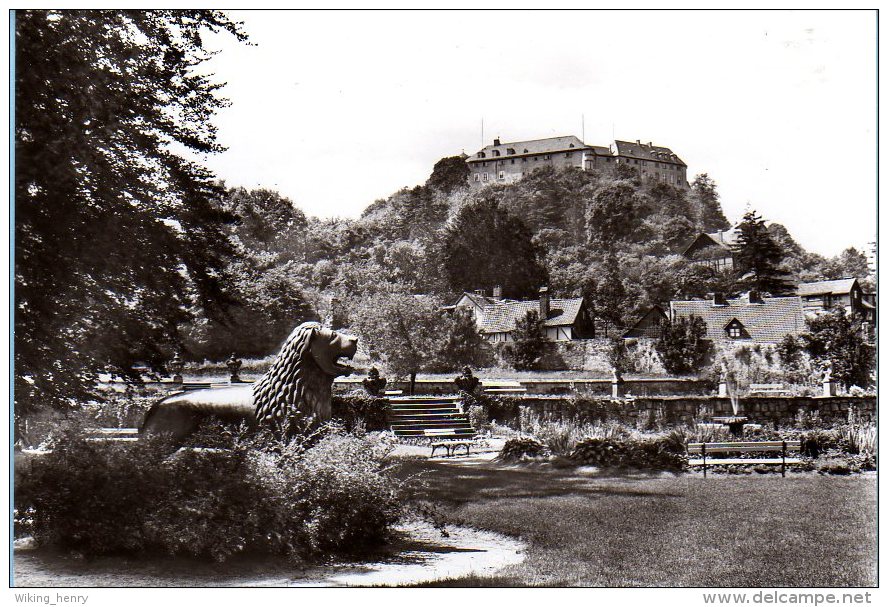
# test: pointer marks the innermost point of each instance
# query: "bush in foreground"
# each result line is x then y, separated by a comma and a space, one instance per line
303, 499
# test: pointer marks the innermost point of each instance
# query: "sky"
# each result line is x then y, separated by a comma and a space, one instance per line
337, 109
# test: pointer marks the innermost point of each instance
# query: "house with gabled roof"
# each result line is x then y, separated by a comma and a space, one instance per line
824, 295
751, 318
562, 319
715, 250
475, 302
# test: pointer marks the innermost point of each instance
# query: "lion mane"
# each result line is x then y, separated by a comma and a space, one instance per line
295, 385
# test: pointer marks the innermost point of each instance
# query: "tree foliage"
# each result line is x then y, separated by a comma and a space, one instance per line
485, 245
528, 343
682, 344
401, 331
835, 338
449, 174
758, 256
118, 236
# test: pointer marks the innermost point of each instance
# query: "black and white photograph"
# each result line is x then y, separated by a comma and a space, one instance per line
443, 299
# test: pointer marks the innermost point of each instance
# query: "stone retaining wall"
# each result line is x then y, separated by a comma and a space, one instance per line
775, 411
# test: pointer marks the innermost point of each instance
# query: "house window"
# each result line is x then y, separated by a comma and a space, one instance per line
477, 177
524, 160
484, 177
734, 332
568, 154
502, 175
513, 161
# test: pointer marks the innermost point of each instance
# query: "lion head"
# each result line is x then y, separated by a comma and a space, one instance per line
300, 381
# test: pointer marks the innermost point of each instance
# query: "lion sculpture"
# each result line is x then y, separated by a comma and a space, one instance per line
297, 386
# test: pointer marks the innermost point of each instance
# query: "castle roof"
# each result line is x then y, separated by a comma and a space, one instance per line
646, 151
766, 322
501, 316
535, 146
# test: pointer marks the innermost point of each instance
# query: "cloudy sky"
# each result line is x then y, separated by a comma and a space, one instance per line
337, 109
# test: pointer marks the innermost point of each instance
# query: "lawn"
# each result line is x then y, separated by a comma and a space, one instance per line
588, 529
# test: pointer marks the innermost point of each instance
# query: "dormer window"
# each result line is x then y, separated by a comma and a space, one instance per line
736, 330
481, 155
510, 151
525, 150
572, 145
496, 152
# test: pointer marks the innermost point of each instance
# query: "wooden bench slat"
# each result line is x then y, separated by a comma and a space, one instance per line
789, 449
738, 461
773, 443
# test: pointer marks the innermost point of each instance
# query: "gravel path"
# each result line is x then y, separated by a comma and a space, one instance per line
421, 555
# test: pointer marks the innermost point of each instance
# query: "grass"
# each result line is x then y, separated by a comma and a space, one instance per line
635, 530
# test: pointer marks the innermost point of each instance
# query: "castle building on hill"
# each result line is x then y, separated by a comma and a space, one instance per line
506, 163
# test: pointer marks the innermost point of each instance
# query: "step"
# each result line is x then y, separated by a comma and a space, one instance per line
421, 434
419, 400
422, 409
444, 414
430, 426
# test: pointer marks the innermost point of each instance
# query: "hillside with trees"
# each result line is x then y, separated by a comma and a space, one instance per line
612, 239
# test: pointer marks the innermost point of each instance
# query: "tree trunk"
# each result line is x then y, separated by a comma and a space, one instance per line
412, 383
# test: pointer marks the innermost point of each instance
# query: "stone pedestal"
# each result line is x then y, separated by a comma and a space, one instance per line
618, 389
829, 388
723, 389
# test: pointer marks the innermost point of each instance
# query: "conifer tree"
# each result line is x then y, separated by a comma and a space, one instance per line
758, 257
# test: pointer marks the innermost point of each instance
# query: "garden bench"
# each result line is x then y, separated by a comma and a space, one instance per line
450, 446
787, 447
776, 389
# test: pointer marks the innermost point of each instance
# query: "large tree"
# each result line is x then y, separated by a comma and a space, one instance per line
485, 245
704, 199
118, 233
759, 257
401, 331
837, 339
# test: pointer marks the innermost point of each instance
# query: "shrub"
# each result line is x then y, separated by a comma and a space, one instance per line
478, 418
359, 410
519, 448
682, 345
306, 498
649, 454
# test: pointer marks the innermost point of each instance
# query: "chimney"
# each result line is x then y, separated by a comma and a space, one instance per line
718, 299
650, 144
638, 142
498, 292
544, 303
755, 297
496, 141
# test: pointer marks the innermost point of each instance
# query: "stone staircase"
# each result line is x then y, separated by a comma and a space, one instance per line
436, 417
